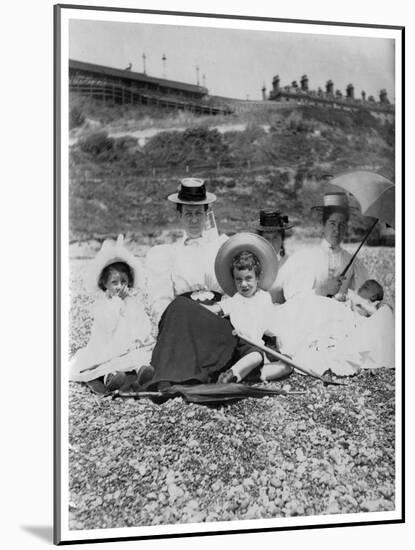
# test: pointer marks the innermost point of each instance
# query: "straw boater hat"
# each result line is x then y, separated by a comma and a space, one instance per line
110, 253
192, 191
271, 221
250, 242
334, 199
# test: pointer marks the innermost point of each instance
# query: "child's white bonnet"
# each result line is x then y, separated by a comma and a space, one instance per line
110, 253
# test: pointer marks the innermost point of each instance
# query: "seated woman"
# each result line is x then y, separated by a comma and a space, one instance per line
319, 331
318, 269
272, 226
192, 344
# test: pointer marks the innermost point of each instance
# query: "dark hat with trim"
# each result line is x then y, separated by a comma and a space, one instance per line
271, 221
192, 191
250, 242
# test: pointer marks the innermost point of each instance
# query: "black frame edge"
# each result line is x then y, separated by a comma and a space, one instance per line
57, 474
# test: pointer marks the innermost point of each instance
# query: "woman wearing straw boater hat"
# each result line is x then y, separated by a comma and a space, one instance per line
273, 225
319, 268
316, 330
186, 266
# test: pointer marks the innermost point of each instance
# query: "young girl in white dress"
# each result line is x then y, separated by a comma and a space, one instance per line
121, 342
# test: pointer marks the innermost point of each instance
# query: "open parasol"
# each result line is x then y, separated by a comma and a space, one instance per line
376, 196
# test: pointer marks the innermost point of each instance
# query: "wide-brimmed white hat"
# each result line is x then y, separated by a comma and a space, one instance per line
110, 253
192, 191
250, 242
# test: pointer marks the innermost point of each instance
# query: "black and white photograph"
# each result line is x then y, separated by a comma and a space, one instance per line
228, 255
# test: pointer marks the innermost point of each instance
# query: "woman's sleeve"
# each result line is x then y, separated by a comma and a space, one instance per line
159, 282
298, 275
210, 280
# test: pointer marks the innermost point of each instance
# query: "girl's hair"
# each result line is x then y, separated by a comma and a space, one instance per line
246, 260
179, 207
120, 267
373, 286
329, 210
281, 232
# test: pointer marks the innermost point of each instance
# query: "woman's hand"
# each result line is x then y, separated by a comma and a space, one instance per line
214, 308
331, 286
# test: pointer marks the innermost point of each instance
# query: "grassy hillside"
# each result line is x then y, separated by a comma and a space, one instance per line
279, 159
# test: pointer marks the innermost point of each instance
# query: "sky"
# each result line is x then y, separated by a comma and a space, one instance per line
237, 63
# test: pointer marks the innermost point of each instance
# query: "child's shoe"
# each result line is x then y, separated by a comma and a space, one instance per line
226, 377
144, 374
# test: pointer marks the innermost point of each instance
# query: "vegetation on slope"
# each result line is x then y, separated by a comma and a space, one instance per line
118, 185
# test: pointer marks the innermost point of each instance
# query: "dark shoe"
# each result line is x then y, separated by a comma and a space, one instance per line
226, 377
97, 386
270, 342
115, 380
254, 377
144, 374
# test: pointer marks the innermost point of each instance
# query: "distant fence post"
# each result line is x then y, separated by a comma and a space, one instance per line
187, 168
154, 171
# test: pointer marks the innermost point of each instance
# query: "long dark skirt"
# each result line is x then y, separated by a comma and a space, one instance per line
194, 345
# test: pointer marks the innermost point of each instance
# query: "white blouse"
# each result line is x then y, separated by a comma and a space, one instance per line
185, 266
249, 315
307, 269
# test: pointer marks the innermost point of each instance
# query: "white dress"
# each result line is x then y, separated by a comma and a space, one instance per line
184, 266
323, 334
121, 339
306, 269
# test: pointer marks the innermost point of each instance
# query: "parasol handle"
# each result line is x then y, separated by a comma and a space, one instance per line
136, 394
343, 273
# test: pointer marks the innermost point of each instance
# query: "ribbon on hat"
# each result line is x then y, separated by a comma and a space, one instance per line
272, 218
335, 199
192, 190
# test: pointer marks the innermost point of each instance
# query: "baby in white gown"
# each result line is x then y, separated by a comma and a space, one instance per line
344, 337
